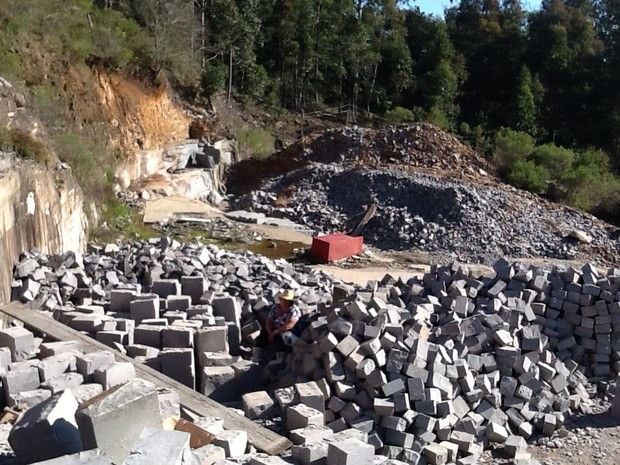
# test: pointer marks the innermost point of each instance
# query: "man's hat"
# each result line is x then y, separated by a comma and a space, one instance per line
287, 294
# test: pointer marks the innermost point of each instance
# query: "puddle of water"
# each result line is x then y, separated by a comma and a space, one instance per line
273, 248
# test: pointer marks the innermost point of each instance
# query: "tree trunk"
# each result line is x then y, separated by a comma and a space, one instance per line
372, 87
230, 76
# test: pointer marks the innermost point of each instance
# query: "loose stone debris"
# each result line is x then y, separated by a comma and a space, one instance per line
432, 194
445, 217
431, 370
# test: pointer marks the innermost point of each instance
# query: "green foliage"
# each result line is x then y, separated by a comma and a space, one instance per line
119, 42
25, 145
529, 176
213, 79
437, 117
511, 147
91, 164
557, 160
119, 220
398, 115
256, 142
526, 106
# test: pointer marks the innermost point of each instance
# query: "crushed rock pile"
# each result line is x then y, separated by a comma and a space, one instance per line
455, 220
422, 146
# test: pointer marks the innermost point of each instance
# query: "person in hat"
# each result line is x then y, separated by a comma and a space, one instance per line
282, 318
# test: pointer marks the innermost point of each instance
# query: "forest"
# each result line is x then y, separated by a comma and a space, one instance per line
536, 91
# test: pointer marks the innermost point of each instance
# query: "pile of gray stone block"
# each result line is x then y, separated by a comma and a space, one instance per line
434, 370
423, 370
188, 310
86, 408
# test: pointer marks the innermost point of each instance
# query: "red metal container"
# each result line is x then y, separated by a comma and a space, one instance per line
336, 246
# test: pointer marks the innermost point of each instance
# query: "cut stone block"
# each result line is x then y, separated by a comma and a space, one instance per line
56, 365
436, 454
15, 382
114, 338
212, 339
311, 395
165, 287
211, 425
114, 419
31, 398
178, 303
350, 452
148, 335
87, 364
258, 405
310, 434
514, 445
86, 392
47, 431
233, 442
496, 432
219, 383
194, 286
228, 308
20, 342
144, 308
120, 299
62, 382
178, 337
302, 416
209, 454
114, 374
310, 454
179, 365
48, 349
160, 446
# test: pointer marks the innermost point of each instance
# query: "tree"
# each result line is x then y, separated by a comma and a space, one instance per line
565, 52
490, 36
437, 70
526, 112
173, 26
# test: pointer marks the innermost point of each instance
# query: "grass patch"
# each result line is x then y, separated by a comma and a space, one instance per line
25, 145
256, 142
120, 221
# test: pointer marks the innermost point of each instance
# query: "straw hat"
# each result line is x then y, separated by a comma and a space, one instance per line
287, 294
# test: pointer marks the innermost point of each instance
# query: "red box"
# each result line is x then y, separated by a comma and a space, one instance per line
336, 246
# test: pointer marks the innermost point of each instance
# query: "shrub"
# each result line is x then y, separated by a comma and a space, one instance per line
25, 145
529, 176
437, 117
256, 142
91, 164
511, 147
213, 79
557, 160
398, 115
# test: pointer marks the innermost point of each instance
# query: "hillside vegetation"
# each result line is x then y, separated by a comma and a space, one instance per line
533, 91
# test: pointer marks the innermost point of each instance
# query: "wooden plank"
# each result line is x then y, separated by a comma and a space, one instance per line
370, 213
261, 438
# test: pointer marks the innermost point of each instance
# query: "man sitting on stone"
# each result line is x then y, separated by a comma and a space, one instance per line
282, 318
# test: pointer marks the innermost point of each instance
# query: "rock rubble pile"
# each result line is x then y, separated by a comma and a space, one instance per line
455, 220
427, 370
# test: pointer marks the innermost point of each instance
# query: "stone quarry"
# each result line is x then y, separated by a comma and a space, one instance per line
434, 369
